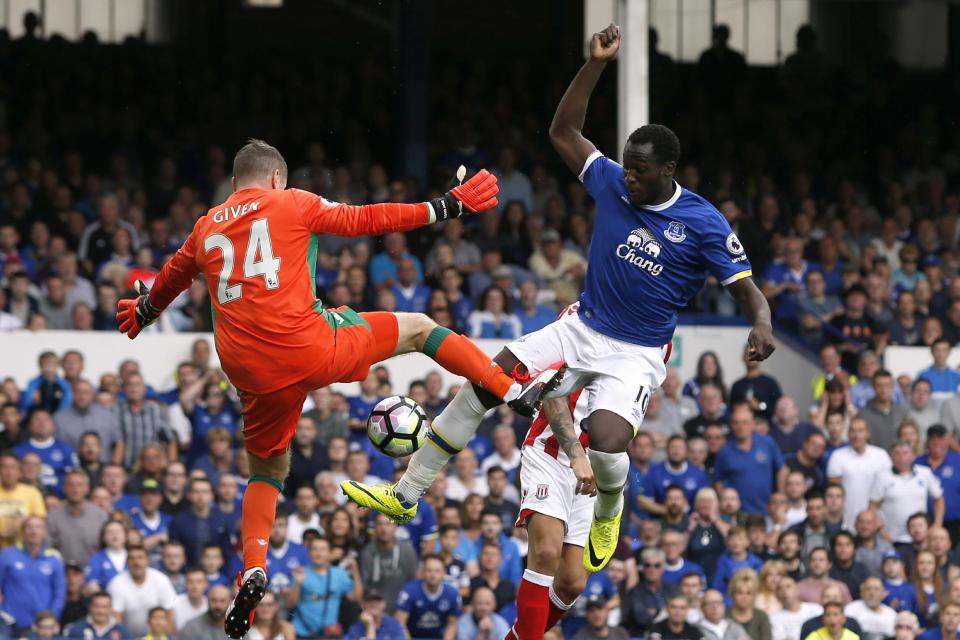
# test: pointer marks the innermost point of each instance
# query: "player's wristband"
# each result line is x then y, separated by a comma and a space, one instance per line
444, 208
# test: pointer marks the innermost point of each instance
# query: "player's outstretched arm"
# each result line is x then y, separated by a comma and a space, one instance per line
755, 309
476, 195
133, 314
558, 415
566, 130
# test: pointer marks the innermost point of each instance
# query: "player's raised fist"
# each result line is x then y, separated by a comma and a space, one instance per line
605, 44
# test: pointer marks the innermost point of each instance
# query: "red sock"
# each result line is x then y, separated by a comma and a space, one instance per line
556, 611
259, 510
533, 606
459, 355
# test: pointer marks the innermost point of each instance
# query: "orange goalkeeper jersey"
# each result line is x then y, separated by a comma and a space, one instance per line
257, 252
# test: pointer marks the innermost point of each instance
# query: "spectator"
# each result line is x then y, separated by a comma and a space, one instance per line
675, 471
383, 266
138, 590
201, 524
921, 410
387, 564
111, 560
32, 577
494, 317
808, 461
675, 566
854, 330
906, 626
818, 566
267, 624
675, 626
56, 455
220, 459
928, 587
715, 626
743, 590
949, 622
708, 370
206, 404
855, 468
786, 623
304, 516
945, 465
428, 607
45, 627
174, 489
533, 315
505, 454
896, 493
99, 623
173, 564
712, 412
490, 560
881, 414
209, 625
644, 603
497, 500
482, 622
411, 295
597, 622
737, 557
707, 532
562, 270
320, 583
833, 624
751, 463
76, 603
845, 567
84, 415
142, 422
491, 532
48, 391
871, 548
75, 525
283, 557
464, 481
816, 307
768, 581
18, 501
783, 282
907, 326
756, 388
786, 428
193, 602
876, 619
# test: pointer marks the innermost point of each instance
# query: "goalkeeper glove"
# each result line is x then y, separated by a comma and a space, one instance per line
477, 194
135, 314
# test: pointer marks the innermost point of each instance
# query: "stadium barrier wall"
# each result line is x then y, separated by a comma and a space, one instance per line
913, 360
159, 353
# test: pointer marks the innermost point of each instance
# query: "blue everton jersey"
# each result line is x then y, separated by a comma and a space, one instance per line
428, 613
281, 563
647, 262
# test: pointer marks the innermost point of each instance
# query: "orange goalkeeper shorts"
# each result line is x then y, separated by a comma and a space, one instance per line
360, 341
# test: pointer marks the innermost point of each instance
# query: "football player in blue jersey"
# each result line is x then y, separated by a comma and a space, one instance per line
654, 245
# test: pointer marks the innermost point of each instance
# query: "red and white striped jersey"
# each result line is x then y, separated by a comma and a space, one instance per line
540, 436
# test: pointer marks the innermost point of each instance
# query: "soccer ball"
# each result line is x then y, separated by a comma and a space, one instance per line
397, 426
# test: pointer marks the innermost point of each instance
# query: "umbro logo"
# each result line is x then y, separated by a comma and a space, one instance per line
261, 542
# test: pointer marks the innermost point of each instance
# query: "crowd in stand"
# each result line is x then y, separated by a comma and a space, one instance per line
752, 514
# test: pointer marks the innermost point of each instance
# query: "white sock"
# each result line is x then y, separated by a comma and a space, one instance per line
610, 470
450, 433
558, 603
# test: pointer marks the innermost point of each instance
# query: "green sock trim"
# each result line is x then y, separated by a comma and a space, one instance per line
434, 340
276, 484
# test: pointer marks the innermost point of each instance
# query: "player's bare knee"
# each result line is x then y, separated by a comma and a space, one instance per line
274, 467
609, 432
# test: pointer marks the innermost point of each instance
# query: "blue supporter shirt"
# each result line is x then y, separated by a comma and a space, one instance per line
428, 614
661, 476
648, 262
934, 634
56, 458
383, 268
389, 629
422, 528
31, 584
943, 382
752, 472
481, 445
635, 480
541, 317
727, 566
100, 569
320, 598
901, 596
281, 563
673, 575
949, 474
202, 421
787, 303
360, 407
419, 296
512, 567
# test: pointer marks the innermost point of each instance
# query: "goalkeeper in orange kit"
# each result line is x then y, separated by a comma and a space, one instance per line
276, 342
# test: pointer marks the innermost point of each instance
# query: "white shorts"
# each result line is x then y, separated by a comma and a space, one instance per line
549, 487
618, 376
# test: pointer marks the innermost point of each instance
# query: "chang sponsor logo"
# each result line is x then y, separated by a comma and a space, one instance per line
641, 250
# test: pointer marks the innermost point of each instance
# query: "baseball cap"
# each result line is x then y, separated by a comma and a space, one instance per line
550, 235
149, 484
936, 431
892, 554
596, 600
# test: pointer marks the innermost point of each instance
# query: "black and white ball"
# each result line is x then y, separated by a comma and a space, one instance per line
397, 426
